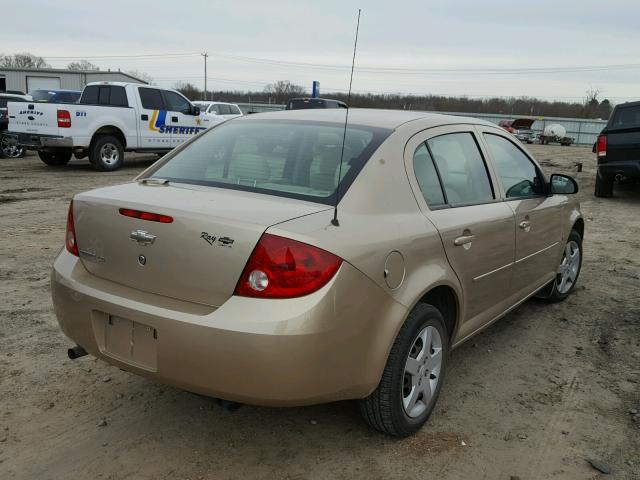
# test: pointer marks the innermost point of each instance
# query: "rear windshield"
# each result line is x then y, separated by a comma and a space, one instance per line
626, 117
291, 159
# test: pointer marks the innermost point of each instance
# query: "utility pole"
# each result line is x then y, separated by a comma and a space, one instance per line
205, 55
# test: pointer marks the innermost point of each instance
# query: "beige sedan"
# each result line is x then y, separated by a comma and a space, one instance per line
225, 270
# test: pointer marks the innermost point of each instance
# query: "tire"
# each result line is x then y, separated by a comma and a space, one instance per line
557, 291
604, 186
8, 150
384, 409
106, 153
55, 158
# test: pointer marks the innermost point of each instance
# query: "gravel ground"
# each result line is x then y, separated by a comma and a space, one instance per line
535, 396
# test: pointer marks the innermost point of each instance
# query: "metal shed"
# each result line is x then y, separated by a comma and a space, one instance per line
29, 79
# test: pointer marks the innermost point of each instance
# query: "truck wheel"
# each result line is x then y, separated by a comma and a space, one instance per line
412, 377
55, 158
604, 186
106, 153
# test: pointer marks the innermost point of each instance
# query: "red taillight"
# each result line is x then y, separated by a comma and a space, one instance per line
71, 242
601, 148
64, 119
283, 268
152, 217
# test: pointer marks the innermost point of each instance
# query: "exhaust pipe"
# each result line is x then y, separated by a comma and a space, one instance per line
76, 352
618, 177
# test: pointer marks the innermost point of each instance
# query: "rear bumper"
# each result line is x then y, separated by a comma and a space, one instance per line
330, 345
32, 141
630, 169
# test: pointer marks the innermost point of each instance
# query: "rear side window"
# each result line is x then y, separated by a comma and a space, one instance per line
626, 117
224, 109
291, 159
461, 168
118, 97
518, 174
427, 177
234, 110
151, 98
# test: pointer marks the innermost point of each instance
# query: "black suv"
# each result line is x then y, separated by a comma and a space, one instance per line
618, 148
304, 103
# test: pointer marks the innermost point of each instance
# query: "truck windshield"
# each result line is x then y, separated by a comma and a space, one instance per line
626, 117
291, 159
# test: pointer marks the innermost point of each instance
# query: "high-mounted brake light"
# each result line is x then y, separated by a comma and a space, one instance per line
70, 239
283, 268
601, 148
152, 217
64, 119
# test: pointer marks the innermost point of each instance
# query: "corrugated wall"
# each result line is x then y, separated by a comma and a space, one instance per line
585, 131
17, 79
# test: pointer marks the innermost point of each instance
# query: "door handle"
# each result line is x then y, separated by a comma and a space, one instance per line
144, 117
464, 240
174, 119
525, 225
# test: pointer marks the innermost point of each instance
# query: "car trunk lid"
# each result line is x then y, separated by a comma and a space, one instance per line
198, 257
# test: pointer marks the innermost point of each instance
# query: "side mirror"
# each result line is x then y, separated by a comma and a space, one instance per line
195, 110
562, 184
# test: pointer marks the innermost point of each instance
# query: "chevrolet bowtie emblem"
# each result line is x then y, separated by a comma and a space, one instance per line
142, 237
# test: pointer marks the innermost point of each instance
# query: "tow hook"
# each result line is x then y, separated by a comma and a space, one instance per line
76, 352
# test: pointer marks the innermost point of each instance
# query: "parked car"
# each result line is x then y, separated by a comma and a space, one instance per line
8, 148
56, 96
306, 103
521, 128
111, 118
219, 110
618, 149
224, 268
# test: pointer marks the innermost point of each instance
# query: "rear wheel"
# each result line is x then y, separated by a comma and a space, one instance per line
55, 158
412, 378
8, 148
106, 153
604, 186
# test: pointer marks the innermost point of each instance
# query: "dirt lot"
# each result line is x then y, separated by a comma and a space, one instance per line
532, 397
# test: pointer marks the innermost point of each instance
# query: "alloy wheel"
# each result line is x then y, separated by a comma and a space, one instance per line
422, 371
569, 267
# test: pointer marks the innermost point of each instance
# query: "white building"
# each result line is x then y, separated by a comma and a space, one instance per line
28, 79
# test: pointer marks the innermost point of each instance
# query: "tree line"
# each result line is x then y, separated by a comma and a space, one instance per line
281, 91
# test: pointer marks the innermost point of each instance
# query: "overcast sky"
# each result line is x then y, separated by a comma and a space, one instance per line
441, 35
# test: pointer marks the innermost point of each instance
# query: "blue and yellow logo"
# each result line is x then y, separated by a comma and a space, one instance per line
158, 124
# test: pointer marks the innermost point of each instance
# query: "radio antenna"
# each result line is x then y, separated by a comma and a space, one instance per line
335, 221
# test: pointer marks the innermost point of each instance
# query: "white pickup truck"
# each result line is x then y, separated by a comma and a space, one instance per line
110, 118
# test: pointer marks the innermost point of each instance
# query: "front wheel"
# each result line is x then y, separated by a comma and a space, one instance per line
57, 157
413, 375
106, 153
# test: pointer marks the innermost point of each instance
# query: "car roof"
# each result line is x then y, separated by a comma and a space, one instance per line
628, 104
57, 90
389, 119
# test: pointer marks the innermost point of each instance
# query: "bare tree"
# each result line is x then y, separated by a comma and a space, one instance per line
188, 90
82, 65
141, 75
283, 90
23, 60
